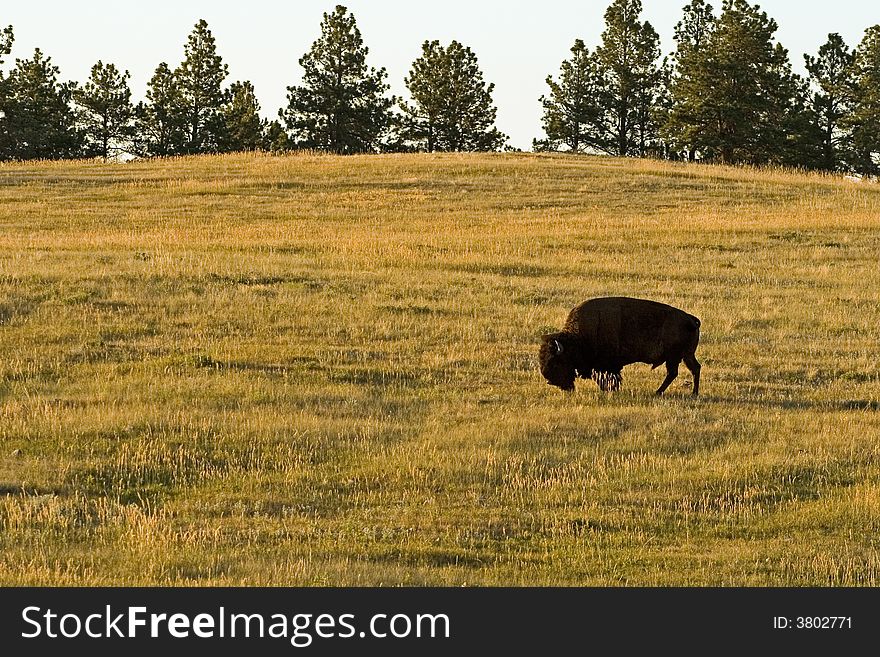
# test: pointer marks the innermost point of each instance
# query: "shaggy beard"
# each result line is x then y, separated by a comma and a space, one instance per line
608, 381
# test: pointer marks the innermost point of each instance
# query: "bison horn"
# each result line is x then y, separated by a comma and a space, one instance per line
557, 346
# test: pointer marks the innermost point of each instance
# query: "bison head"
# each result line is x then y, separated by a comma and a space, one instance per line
557, 359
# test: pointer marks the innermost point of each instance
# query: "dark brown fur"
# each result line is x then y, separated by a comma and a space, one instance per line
602, 336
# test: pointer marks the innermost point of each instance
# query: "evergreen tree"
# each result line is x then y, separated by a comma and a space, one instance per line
39, 121
6, 39
242, 126
199, 78
451, 106
160, 122
692, 32
275, 138
685, 120
831, 73
571, 114
788, 133
630, 78
661, 111
341, 105
865, 118
649, 91
736, 98
106, 111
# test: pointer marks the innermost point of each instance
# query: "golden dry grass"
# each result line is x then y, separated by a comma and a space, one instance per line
320, 370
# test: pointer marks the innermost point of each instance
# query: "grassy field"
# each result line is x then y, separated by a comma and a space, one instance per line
313, 370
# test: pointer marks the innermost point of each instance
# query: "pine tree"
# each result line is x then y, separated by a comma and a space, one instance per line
832, 74
630, 77
735, 96
661, 111
106, 111
275, 138
341, 105
688, 78
571, 114
692, 32
788, 131
865, 118
160, 122
242, 127
199, 80
648, 92
39, 121
451, 106
428, 83
6, 39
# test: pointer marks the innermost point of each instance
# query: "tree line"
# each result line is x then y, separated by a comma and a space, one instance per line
342, 105
727, 94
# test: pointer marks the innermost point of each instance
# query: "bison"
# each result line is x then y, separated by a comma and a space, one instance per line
601, 336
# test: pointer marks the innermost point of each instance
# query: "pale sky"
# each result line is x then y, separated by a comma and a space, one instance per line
517, 43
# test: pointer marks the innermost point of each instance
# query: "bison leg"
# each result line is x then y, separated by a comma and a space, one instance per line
671, 373
691, 362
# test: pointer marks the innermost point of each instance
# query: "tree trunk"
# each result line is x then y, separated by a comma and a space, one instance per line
105, 139
336, 136
829, 147
194, 136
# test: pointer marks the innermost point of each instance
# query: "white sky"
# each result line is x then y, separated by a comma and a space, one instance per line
517, 43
